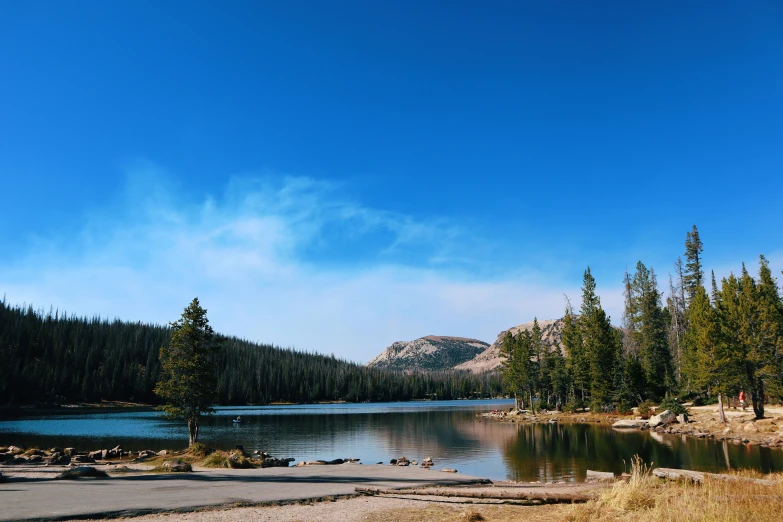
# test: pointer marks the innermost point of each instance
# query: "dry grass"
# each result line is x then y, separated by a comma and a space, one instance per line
222, 459
646, 498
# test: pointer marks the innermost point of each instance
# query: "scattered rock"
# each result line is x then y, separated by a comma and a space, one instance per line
632, 424
750, 427
662, 419
402, 461
177, 466
270, 462
97, 455
82, 459
393, 462
163, 453
70, 451
682, 418
82, 472
146, 454
317, 462
59, 459
449, 470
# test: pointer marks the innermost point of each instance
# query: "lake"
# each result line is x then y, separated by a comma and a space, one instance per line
447, 431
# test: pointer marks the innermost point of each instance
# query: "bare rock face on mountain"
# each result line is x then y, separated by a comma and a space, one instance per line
490, 359
429, 353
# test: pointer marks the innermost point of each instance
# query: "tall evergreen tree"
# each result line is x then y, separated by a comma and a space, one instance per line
600, 345
517, 367
577, 362
187, 384
694, 272
652, 335
712, 365
753, 326
675, 308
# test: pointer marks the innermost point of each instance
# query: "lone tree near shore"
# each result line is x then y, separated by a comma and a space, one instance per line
187, 381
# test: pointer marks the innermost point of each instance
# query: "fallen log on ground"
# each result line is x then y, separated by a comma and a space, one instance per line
599, 476
544, 497
699, 476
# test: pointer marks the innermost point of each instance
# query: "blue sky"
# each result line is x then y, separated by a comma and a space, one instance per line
338, 176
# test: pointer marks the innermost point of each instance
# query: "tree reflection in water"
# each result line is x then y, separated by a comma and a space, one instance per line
565, 452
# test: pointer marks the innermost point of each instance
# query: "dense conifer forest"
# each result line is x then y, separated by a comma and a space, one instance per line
699, 345
49, 358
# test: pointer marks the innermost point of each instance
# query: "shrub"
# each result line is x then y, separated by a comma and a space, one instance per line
624, 408
704, 401
669, 403
572, 405
645, 409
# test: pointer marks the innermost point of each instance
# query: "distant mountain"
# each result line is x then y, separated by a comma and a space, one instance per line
490, 359
429, 353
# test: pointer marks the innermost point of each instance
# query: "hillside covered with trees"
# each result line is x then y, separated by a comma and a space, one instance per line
701, 345
53, 358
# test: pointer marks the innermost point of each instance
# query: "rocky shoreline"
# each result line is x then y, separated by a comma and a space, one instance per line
20, 462
702, 422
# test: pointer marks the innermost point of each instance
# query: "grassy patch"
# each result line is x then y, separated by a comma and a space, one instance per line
198, 450
222, 459
219, 459
647, 498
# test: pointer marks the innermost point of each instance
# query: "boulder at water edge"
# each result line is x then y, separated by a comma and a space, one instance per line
662, 419
630, 424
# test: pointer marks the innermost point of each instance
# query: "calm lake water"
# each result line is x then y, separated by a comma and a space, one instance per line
447, 431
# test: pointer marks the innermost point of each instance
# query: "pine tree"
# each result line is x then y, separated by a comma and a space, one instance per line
675, 306
600, 345
187, 383
577, 363
711, 362
754, 326
653, 346
694, 274
771, 329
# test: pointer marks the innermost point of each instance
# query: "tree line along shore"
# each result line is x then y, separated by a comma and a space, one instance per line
56, 358
702, 346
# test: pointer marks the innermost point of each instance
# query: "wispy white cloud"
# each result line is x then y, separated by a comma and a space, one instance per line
252, 257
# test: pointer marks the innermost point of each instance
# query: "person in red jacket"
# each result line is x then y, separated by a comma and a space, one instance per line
742, 399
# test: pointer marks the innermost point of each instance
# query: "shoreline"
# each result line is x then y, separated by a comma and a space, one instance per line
703, 422
8, 413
